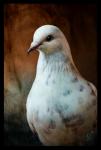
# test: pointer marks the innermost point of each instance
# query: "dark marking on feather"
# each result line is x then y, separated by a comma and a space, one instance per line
88, 84
66, 92
48, 109
75, 79
81, 88
70, 120
73, 120
52, 124
92, 92
60, 109
66, 59
47, 80
47, 130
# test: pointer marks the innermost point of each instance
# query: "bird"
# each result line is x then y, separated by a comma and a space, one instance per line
61, 106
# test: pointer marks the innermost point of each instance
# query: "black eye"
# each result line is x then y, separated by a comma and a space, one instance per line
49, 38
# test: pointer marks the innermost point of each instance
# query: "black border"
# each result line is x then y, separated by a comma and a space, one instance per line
2, 52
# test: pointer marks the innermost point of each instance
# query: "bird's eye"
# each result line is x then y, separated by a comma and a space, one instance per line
49, 38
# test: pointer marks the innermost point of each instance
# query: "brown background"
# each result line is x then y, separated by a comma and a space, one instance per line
78, 22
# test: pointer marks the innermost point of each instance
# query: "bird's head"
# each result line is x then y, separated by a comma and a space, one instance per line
48, 39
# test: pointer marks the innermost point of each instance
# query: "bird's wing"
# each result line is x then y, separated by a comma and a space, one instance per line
31, 125
93, 88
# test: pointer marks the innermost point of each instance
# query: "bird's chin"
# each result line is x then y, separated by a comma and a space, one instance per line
41, 48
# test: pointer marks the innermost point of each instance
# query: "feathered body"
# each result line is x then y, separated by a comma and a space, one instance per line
61, 105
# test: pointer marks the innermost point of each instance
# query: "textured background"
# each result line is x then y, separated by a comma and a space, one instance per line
78, 22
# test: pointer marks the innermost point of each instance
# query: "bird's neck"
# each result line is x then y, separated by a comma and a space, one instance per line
58, 62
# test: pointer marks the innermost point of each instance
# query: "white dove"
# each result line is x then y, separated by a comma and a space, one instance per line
61, 105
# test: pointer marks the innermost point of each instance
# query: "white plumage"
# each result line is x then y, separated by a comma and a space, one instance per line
61, 105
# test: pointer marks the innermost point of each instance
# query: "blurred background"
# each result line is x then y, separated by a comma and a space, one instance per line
78, 22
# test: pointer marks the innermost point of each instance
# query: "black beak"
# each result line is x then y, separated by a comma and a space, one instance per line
33, 48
